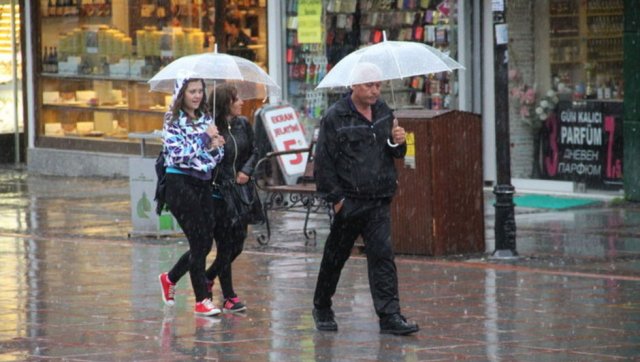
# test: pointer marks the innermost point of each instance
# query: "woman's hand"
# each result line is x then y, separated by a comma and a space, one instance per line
216, 139
242, 178
212, 130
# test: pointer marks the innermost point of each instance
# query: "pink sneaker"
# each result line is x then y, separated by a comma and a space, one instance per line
168, 289
233, 305
206, 308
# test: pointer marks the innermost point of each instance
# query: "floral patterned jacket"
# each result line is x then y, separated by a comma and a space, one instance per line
187, 146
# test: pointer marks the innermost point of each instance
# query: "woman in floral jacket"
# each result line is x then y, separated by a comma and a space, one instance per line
192, 148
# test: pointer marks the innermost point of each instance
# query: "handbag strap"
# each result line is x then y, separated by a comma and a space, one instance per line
235, 157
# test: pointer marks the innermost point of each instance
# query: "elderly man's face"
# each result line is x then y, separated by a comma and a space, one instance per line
366, 93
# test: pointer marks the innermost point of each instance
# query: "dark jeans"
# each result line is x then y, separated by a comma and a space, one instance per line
372, 220
229, 239
189, 200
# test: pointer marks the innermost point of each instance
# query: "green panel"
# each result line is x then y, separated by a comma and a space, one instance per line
631, 136
165, 222
631, 172
632, 77
631, 16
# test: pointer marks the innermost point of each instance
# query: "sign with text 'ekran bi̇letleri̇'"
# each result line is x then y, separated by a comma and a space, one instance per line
582, 142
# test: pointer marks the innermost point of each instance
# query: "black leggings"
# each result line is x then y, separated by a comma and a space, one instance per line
189, 200
229, 239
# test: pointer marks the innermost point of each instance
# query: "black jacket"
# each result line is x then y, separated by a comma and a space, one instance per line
353, 158
239, 147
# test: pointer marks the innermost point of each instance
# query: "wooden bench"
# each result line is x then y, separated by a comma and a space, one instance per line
299, 197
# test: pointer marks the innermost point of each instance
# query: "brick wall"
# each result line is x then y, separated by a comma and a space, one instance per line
521, 57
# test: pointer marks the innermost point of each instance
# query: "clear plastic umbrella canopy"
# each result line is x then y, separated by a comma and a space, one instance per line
388, 60
251, 81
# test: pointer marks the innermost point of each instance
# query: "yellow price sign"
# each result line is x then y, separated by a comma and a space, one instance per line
410, 156
411, 144
309, 21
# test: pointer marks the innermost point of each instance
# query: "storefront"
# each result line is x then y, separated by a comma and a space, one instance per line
12, 140
314, 44
92, 60
567, 91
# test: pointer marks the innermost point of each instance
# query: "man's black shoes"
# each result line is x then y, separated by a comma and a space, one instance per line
392, 324
397, 324
324, 319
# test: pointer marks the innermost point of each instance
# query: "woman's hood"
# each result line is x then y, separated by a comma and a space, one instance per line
182, 78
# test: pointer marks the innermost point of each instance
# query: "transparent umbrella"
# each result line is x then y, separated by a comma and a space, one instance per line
388, 60
251, 81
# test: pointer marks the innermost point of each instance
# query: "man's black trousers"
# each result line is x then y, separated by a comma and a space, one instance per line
370, 219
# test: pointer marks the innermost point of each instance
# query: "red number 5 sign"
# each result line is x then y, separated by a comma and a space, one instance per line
286, 133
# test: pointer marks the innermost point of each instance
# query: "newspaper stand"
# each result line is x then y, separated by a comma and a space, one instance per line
438, 208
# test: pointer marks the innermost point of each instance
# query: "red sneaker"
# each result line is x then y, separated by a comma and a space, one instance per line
168, 289
206, 308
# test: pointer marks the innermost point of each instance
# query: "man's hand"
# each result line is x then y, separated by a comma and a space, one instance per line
338, 206
397, 133
242, 178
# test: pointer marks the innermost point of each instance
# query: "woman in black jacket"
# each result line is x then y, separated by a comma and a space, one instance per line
240, 158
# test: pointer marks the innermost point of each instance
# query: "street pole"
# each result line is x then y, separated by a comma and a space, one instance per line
14, 62
218, 27
505, 223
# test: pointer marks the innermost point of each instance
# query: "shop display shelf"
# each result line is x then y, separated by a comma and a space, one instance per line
617, 12
94, 77
100, 108
602, 35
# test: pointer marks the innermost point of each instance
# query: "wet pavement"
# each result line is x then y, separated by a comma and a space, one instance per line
75, 287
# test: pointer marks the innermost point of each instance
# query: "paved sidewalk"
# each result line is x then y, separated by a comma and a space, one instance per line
76, 288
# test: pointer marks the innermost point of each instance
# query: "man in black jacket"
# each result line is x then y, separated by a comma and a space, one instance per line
354, 168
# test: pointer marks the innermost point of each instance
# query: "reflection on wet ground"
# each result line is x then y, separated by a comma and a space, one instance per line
76, 288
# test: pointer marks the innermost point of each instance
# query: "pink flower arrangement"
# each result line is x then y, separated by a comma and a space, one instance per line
523, 94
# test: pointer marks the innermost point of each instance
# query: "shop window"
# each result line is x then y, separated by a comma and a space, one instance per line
350, 24
585, 48
581, 135
96, 56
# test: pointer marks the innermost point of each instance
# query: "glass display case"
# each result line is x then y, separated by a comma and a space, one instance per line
97, 55
585, 47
